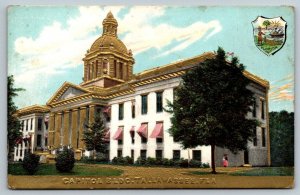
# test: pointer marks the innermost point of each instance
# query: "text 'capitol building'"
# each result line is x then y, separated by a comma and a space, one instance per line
131, 106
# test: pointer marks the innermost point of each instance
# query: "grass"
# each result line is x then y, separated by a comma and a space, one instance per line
266, 171
80, 170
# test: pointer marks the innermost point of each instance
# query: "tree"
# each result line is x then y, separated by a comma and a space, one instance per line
210, 107
13, 124
282, 138
266, 23
93, 137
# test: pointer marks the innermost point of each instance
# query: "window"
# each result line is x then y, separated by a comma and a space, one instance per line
17, 151
119, 153
159, 101
176, 154
21, 152
255, 137
27, 121
87, 115
133, 109
143, 154
254, 109
121, 111
46, 141
197, 155
262, 109
31, 124
40, 120
158, 154
121, 70
159, 140
39, 140
120, 142
144, 104
144, 140
115, 67
22, 125
132, 154
175, 93
263, 136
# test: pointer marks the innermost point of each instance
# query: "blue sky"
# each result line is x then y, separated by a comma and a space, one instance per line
46, 44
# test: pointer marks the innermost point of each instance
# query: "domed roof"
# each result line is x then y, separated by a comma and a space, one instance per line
107, 42
109, 38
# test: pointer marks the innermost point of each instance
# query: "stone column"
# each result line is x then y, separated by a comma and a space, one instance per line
66, 128
125, 72
74, 128
51, 130
57, 129
81, 126
91, 113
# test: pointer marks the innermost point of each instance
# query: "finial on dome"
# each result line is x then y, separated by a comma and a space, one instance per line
110, 25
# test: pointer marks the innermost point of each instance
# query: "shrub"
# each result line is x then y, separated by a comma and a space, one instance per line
150, 161
140, 161
165, 162
100, 157
195, 163
182, 163
31, 163
205, 165
65, 160
128, 160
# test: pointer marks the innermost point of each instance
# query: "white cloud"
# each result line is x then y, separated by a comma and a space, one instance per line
59, 47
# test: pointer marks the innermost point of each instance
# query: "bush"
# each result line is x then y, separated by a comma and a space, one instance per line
195, 163
140, 161
129, 160
205, 165
182, 163
122, 160
165, 162
31, 163
150, 161
65, 160
100, 157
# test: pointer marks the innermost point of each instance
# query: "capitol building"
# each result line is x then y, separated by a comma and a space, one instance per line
131, 106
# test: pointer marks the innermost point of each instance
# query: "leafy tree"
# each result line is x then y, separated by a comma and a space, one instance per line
266, 23
282, 138
210, 107
13, 124
93, 137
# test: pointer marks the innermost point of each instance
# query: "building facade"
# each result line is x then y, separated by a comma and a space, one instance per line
132, 106
34, 127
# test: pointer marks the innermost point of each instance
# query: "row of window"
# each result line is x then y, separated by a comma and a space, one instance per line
262, 111
263, 137
196, 154
26, 128
144, 107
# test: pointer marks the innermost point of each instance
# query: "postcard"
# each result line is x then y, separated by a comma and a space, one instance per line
113, 97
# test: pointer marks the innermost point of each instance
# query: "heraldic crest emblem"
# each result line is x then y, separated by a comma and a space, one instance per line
269, 34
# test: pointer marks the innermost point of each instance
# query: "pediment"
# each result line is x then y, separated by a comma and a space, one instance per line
67, 91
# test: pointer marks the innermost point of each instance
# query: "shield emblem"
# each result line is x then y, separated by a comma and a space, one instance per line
269, 34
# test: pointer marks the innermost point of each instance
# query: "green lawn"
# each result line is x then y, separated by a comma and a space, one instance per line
266, 171
79, 169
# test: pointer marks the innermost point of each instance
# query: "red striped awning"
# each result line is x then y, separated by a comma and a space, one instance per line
143, 130
107, 109
119, 134
158, 131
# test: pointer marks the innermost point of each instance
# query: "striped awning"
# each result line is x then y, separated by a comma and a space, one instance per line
143, 130
119, 134
157, 131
